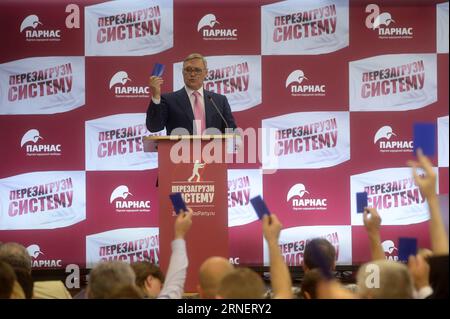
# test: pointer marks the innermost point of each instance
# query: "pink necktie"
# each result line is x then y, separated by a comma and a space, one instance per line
198, 112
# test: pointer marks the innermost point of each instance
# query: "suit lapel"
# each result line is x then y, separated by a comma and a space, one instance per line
185, 104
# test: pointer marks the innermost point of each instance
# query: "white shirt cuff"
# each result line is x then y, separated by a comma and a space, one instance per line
423, 293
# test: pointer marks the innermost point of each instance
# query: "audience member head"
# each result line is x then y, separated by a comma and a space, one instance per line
126, 292
241, 283
383, 279
26, 282
310, 282
327, 252
211, 273
149, 278
16, 255
108, 276
7, 279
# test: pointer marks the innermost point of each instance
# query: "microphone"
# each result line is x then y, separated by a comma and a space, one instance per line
217, 109
234, 145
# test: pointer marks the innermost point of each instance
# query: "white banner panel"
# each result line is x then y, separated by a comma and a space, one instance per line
393, 82
442, 27
393, 192
243, 184
44, 85
128, 28
442, 125
292, 243
114, 143
306, 140
128, 244
304, 27
42, 200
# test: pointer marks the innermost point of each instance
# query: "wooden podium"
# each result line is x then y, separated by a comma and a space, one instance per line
202, 179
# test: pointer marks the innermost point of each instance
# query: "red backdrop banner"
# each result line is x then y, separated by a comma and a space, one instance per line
341, 82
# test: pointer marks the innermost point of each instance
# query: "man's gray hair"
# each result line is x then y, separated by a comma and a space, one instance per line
106, 277
194, 56
384, 279
15, 255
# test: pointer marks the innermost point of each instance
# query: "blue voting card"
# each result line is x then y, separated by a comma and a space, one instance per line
406, 247
260, 206
425, 138
361, 202
158, 69
177, 202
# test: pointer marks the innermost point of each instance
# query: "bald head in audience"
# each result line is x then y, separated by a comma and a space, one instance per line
384, 279
211, 273
241, 283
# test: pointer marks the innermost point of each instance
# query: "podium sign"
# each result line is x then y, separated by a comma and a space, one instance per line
203, 184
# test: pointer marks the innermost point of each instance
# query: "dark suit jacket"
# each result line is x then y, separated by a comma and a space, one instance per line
175, 111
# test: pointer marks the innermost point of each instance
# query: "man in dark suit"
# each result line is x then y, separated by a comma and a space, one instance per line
191, 108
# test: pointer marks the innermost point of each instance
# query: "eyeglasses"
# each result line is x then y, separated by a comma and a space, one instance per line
196, 71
